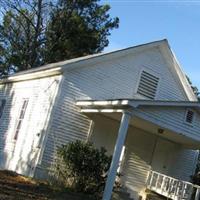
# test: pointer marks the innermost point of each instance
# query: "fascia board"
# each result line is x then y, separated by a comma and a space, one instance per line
178, 72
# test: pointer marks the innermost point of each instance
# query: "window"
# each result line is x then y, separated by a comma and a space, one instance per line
148, 85
189, 116
2, 105
21, 117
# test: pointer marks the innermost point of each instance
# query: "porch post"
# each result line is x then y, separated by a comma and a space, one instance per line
197, 195
116, 155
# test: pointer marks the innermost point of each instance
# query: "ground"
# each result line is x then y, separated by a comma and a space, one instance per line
16, 187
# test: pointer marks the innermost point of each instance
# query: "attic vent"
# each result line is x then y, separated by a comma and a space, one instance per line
148, 85
189, 118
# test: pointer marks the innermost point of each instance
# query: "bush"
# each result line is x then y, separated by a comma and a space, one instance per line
82, 167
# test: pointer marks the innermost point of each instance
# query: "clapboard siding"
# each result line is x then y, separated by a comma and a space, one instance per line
174, 119
138, 151
68, 124
138, 156
40, 93
119, 78
180, 158
112, 79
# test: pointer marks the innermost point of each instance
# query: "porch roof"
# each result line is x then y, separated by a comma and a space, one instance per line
151, 116
133, 103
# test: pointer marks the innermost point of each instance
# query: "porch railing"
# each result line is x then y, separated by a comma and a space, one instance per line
172, 188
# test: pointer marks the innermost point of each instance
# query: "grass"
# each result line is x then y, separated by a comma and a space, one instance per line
17, 187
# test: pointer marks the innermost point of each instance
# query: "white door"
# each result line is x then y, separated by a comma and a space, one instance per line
27, 135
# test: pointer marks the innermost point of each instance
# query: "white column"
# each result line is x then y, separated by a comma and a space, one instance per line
116, 156
197, 195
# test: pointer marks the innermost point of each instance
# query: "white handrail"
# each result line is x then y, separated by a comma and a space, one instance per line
172, 188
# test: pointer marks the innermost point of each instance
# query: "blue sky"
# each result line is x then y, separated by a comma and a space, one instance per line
146, 21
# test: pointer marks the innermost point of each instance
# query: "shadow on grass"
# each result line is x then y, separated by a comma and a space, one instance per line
15, 186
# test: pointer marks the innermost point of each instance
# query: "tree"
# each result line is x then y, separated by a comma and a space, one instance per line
194, 88
21, 35
14, 44
78, 28
35, 32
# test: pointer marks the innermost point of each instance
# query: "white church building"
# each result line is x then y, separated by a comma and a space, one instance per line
136, 102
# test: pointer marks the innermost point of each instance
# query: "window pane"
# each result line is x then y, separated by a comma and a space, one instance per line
21, 117
22, 114
16, 134
19, 124
24, 104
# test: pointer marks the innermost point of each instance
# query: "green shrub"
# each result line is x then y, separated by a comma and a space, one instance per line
82, 167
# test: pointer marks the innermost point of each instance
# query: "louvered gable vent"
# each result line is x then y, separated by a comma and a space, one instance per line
148, 85
189, 116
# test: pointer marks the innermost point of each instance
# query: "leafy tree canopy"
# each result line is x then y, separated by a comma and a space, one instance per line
35, 32
78, 28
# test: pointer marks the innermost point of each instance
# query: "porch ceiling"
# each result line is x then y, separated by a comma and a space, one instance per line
114, 108
155, 129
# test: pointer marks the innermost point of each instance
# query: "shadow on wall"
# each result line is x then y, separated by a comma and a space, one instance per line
68, 123
26, 162
138, 148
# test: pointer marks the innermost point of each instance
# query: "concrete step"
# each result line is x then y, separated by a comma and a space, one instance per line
121, 195
154, 196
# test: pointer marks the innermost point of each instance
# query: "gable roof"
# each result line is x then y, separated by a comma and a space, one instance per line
60, 67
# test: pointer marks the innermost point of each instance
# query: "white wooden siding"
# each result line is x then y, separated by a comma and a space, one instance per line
181, 158
21, 155
119, 78
138, 151
172, 118
68, 124
112, 79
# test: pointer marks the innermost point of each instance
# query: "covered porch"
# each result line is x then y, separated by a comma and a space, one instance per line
140, 142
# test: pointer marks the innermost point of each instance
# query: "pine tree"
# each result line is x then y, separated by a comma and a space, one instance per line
35, 32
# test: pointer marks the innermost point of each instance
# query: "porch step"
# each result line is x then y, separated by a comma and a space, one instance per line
154, 196
121, 195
